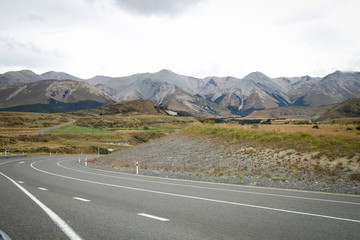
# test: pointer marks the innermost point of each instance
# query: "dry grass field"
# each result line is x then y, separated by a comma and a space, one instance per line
15, 123
337, 138
88, 134
342, 127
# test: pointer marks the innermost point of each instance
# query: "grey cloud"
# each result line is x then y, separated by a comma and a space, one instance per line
29, 54
11, 44
310, 13
32, 18
157, 7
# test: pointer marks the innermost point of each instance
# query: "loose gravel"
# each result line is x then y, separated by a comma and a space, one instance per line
208, 159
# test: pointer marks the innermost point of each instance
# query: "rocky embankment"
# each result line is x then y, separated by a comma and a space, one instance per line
209, 159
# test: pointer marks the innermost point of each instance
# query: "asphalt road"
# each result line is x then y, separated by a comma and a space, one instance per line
54, 197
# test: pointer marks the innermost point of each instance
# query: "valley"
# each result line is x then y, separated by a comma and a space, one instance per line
116, 128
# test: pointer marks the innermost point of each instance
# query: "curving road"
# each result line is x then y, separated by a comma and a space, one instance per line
54, 127
53, 197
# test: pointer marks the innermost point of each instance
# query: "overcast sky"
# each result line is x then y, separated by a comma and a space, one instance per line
191, 37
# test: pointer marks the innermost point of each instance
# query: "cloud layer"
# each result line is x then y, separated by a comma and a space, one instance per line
192, 37
157, 7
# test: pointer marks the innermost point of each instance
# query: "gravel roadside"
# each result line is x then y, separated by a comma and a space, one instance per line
204, 158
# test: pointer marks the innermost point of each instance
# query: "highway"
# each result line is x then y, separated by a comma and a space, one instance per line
53, 197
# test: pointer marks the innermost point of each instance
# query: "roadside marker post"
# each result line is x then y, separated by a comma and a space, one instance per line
137, 167
86, 161
79, 159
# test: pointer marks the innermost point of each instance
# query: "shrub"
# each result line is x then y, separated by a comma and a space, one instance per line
283, 179
355, 177
315, 127
209, 121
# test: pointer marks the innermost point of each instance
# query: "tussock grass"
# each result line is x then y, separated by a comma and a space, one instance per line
329, 145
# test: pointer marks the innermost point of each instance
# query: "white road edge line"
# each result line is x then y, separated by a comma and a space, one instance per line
199, 198
211, 188
42, 189
57, 220
82, 199
153, 217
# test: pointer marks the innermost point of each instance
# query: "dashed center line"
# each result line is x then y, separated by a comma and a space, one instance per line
153, 217
21, 162
21, 182
82, 199
43, 189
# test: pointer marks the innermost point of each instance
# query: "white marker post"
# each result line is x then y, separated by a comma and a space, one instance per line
137, 167
86, 161
5, 151
79, 159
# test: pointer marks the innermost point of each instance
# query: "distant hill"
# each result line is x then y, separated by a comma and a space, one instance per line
51, 96
292, 112
347, 109
19, 77
130, 107
59, 76
27, 76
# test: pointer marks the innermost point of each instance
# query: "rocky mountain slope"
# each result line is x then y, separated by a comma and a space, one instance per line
166, 88
240, 96
333, 88
215, 96
347, 109
52, 95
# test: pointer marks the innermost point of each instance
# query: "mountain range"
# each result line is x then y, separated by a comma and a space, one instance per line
52, 96
201, 97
